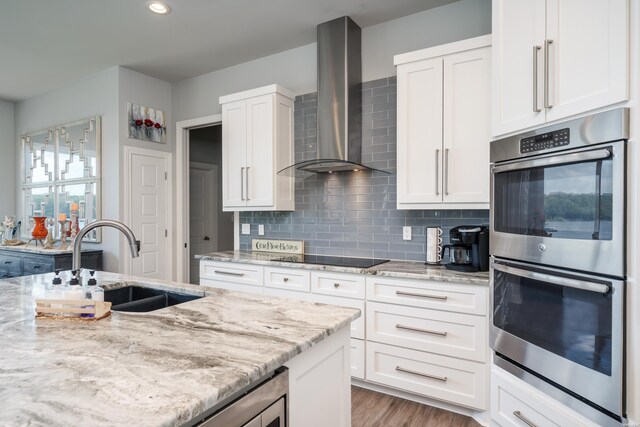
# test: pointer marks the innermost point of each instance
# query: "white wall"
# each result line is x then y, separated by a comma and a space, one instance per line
295, 69
96, 94
138, 88
7, 155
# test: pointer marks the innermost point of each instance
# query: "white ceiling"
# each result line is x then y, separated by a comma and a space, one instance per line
45, 44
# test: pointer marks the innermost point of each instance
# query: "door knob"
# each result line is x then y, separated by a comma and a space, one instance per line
206, 238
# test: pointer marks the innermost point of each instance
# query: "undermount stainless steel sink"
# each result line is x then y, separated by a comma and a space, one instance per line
139, 299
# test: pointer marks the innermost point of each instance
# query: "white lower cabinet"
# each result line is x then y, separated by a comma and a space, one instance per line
456, 381
357, 358
423, 337
450, 334
517, 404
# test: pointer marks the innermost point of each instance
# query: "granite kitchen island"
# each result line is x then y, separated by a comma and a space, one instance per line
165, 367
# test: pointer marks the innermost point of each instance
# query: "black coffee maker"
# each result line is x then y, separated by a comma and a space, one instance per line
469, 248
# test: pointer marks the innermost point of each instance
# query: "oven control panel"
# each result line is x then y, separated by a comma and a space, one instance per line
545, 141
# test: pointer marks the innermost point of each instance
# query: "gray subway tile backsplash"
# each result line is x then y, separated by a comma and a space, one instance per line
354, 213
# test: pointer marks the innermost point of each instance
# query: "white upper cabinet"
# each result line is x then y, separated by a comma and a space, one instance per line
257, 142
444, 126
553, 59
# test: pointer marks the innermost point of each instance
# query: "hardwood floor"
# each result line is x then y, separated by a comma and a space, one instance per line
372, 409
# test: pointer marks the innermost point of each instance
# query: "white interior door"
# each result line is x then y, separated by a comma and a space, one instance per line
203, 214
148, 214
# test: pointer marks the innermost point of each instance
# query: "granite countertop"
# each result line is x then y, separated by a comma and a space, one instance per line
402, 269
154, 369
31, 248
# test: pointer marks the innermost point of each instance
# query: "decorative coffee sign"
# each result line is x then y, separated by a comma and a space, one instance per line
278, 246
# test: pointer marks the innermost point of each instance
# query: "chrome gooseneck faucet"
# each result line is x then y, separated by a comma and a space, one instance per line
133, 243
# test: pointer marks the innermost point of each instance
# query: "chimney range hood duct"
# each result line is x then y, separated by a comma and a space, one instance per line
339, 125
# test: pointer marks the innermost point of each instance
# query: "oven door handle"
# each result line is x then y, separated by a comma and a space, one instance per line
560, 281
584, 156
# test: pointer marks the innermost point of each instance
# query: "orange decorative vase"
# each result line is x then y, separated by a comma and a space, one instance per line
39, 230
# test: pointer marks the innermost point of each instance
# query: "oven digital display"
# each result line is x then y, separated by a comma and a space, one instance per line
545, 141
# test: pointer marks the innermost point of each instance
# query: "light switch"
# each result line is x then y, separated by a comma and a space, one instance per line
261, 230
246, 228
406, 233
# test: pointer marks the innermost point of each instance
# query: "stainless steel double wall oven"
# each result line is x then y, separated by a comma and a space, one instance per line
558, 249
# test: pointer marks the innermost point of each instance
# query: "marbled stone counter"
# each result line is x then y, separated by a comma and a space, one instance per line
146, 369
32, 248
402, 269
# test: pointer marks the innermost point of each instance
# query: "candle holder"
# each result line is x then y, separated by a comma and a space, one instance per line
63, 234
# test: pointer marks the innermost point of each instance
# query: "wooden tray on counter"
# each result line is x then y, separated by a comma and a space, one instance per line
69, 309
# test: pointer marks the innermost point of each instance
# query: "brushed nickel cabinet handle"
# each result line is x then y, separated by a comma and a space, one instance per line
547, 48
426, 331
336, 285
421, 374
437, 171
535, 79
524, 419
228, 273
285, 280
446, 171
412, 294
242, 183
246, 172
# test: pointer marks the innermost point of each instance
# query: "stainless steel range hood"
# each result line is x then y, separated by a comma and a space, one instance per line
339, 127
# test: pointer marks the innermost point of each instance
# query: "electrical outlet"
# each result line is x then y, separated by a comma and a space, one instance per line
246, 228
261, 230
406, 233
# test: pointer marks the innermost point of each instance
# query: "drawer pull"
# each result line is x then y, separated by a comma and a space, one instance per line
336, 285
413, 294
36, 267
285, 280
421, 374
426, 331
228, 273
524, 419
7, 262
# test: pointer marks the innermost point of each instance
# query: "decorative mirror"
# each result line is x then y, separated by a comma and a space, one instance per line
61, 175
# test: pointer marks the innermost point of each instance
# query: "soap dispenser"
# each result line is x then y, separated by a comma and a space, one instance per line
73, 291
92, 291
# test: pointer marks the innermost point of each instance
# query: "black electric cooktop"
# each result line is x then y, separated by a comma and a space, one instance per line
335, 260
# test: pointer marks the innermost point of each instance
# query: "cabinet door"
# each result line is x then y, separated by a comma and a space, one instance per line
588, 55
467, 124
260, 173
518, 28
420, 133
234, 160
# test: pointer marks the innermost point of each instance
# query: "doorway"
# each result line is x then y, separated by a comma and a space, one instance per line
210, 229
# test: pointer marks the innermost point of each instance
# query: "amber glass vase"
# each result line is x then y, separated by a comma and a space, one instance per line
39, 229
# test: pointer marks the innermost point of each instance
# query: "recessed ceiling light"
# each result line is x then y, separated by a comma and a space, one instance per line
158, 7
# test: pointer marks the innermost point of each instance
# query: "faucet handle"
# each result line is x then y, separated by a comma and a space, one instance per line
138, 245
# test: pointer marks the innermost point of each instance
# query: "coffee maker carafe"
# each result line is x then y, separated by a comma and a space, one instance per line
469, 248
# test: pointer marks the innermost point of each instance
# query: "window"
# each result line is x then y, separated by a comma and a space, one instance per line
61, 174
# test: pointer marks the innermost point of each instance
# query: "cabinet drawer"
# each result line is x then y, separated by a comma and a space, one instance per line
439, 377
508, 407
245, 274
442, 332
472, 299
336, 284
6, 274
36, 266
357, 326
231, 286
11, 265
357, 359
287, 278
